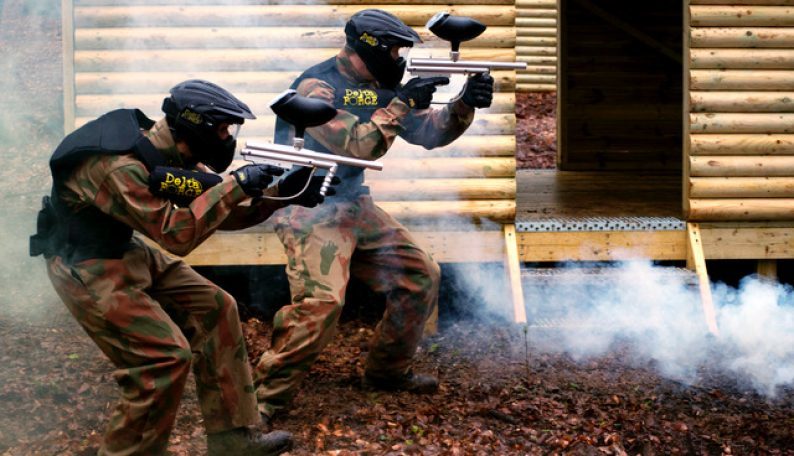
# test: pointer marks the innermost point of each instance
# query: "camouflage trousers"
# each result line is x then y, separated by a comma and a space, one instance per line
325, 246
154, 316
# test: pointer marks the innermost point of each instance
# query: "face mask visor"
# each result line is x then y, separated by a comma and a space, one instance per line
403, 52
226, 130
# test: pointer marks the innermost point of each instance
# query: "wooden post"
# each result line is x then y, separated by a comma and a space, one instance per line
67, 24
562, 84
767, 269
513, 267
687, 107
697, 261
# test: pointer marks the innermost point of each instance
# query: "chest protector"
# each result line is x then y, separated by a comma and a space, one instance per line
361, 100
80, 234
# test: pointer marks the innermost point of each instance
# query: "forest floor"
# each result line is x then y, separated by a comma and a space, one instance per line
502, 392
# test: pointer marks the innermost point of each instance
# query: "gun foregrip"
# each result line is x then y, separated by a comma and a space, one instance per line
329, 176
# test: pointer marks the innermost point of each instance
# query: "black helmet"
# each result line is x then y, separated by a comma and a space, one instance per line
372, 33
194, 110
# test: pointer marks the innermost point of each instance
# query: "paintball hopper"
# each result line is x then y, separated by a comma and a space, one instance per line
302, 112
455, 29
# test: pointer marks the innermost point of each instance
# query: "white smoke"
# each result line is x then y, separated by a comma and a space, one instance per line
657, 314
31, 124
757, 325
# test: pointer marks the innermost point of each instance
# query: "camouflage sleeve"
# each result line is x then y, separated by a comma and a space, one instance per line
437, 127
247, 215
124, 194
346, 135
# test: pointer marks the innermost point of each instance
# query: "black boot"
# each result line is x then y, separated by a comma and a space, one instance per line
413, 383
244, 441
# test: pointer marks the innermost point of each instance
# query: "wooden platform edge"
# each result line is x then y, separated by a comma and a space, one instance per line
264, 248
721, 241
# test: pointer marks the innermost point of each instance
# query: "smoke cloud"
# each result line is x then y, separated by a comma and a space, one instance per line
31, 124
656, 313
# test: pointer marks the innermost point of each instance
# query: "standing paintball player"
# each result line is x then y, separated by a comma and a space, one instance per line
349, 234
152, 314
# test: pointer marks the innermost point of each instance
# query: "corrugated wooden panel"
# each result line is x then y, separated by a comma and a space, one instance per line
741, 102
536, 44
129, 53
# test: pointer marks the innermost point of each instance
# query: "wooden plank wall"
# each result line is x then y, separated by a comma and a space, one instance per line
536, 44
620, 85
741, 102
129, 53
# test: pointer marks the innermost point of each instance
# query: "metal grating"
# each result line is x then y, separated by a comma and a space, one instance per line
601, 224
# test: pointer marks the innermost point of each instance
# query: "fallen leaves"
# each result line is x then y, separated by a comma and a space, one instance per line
536, 130
58, 405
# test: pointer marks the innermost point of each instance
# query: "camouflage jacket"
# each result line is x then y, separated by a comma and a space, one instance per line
118, 186
368, 118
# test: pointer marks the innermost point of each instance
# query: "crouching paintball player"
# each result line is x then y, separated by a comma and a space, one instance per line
349, 234
151, 314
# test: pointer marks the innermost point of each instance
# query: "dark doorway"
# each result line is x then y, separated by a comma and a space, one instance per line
621, 85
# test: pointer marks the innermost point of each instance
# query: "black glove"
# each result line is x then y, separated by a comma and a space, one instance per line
478, 92
294, 182
255, 178
418, 92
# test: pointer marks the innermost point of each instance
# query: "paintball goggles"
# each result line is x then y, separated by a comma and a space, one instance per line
302, 112
456, 29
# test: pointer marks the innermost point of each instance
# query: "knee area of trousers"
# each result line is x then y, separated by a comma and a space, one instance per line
226, 306
431, 271
182, 356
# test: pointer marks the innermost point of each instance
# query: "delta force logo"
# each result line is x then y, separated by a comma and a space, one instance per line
360, 97
184, 186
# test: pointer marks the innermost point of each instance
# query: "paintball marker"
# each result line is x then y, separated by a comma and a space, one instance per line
302, 112
456, 29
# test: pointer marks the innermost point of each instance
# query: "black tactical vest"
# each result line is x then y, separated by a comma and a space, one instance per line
360, 100
77, 235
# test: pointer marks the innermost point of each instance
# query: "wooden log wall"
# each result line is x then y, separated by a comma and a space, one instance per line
536, 44
129, 53
620, 86
740, 150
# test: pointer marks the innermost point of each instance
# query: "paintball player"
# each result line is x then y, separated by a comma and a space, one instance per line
151, 314
349, 234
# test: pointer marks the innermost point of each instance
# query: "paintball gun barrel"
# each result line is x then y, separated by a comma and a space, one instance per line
302, 112
287, 156
456, 29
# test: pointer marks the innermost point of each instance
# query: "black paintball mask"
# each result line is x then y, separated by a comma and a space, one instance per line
372, 33
194, 112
